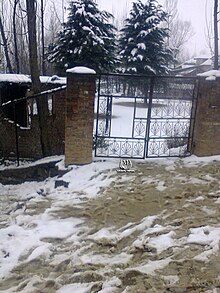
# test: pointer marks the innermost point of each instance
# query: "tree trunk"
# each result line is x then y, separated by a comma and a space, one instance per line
42, 103
42, 38
216, 35
5, 45
15, 37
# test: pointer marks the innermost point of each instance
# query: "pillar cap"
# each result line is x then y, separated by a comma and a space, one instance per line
81, 70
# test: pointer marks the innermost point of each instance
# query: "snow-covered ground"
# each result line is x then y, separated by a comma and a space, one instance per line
152, 230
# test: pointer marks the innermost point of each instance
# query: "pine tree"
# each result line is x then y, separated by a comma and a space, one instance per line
143, 40
87, 39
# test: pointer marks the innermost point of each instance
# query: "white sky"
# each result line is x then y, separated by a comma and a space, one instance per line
192, 10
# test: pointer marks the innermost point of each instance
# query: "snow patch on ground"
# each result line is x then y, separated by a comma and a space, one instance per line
208, 236
28, 241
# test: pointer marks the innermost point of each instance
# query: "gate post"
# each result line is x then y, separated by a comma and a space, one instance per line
206, 138
80, 97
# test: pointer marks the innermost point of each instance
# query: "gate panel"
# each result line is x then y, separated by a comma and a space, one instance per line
171, 116
139, 116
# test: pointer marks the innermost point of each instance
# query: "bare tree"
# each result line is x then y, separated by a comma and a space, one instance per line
216, 34
15, 37
170, 6
183, 32
53, 26
5, 46
13, 32
180, 31
32, 37
42, 104
22, 38
42, 39
209, 21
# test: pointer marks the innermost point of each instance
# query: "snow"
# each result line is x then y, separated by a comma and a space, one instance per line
80, 178
79, 288
144, 33
210, 75
19, 240
26, 79
81, 70
193, 160
27, 236
151, 266
53, 79
205, 235
24, 164
15, 78
104, 260
141, 46
134, 51
209, 236
163, 242
211, 78
107, 237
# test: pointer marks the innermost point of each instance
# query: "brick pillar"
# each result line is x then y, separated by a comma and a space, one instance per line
79, 120
206, 140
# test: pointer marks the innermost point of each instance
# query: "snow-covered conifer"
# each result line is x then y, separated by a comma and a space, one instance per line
143, 40
87, 39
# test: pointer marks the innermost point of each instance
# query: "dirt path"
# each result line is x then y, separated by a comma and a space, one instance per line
138, 236
184, 198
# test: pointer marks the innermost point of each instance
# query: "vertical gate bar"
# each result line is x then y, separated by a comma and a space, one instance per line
193, 115
108, 117
97, 115
107, 106
147, 138
134, 116
16, 134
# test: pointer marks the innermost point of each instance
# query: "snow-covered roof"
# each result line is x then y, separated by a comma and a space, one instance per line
203, 60
26, 79
202, 57
15, 78
193, 66
207, 62
189, 62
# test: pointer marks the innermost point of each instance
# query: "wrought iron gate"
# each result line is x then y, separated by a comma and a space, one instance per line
140, 116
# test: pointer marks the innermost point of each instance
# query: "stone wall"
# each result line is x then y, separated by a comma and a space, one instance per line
206, 138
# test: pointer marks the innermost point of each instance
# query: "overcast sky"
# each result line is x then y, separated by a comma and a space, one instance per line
195, 11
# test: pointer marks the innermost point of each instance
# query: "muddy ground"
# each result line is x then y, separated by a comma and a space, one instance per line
180, 197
